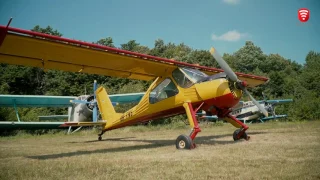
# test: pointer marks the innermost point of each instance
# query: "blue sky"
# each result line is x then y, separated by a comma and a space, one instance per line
225, 24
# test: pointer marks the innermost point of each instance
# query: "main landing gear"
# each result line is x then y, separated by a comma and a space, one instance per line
239, 133
184, 141
100, 136
237, 136
187, 142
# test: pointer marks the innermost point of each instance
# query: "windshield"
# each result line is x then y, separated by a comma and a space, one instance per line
186, 77
194, 74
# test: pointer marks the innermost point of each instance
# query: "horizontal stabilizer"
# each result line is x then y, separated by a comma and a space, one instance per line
78, 124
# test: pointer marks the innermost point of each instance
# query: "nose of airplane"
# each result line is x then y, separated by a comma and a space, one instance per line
219, 92
233, 77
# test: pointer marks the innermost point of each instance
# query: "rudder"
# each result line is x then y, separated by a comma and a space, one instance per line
105, 106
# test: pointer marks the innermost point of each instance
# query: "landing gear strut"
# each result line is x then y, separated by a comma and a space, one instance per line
100, 136
184, 141
239, 133
243, 136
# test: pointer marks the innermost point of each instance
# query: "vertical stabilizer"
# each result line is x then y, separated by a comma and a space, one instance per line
105, 106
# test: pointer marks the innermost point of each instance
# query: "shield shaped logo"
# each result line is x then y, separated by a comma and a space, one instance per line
303, 14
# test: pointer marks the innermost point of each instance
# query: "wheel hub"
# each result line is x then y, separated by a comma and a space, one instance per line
182, 144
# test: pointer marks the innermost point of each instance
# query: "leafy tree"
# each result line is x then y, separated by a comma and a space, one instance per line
202, 57
106, 42
273, 62
159, 48
47, 30
231, 60
130, 46
310, 76
249, 57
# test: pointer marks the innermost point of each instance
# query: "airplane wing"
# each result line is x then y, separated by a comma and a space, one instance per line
58, 101
273, 117
6, 125
51, 101
126, 98
279, 101
35, 101
23, 47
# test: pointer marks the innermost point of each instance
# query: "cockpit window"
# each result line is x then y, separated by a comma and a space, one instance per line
186, 77
181, 78
163, 91
194, 74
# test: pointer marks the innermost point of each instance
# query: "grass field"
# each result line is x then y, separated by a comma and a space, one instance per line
275, 151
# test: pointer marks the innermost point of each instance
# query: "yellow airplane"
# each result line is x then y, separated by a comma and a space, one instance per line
177, 87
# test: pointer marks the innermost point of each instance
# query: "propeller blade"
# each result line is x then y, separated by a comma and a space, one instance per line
263, 110
273, 111
264, 97
224, 65
95, 110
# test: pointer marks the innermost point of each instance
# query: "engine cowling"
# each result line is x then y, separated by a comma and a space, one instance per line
82, 112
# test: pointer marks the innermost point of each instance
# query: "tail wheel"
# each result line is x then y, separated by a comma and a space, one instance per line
243, 136
183, 142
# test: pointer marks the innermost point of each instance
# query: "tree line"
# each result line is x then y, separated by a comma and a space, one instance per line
288, 79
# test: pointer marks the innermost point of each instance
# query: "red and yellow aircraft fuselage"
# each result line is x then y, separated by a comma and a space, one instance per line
184, 90
211, 96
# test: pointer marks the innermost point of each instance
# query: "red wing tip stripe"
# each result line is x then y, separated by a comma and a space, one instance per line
120, 51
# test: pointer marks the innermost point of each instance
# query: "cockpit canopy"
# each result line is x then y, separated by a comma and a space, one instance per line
186, 77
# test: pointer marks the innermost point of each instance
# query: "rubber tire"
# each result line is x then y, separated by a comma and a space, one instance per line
184, 139
236, 132
99, 138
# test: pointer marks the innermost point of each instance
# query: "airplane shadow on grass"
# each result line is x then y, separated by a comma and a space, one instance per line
201, 140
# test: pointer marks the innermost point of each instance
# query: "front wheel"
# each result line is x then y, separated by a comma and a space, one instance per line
243, 136
183, 142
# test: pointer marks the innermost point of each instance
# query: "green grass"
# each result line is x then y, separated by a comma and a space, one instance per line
275, 151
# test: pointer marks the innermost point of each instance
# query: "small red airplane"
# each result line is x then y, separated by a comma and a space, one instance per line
177, 87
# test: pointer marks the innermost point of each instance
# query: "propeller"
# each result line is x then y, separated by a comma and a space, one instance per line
95, 109
269, 106
233, 77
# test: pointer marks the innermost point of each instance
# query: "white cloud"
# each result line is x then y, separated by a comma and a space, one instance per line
230, 36
232, 2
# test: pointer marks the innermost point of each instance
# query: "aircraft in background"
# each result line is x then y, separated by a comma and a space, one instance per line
177, 87
247, 111
80, 109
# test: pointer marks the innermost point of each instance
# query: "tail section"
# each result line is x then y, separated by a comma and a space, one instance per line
105, 106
